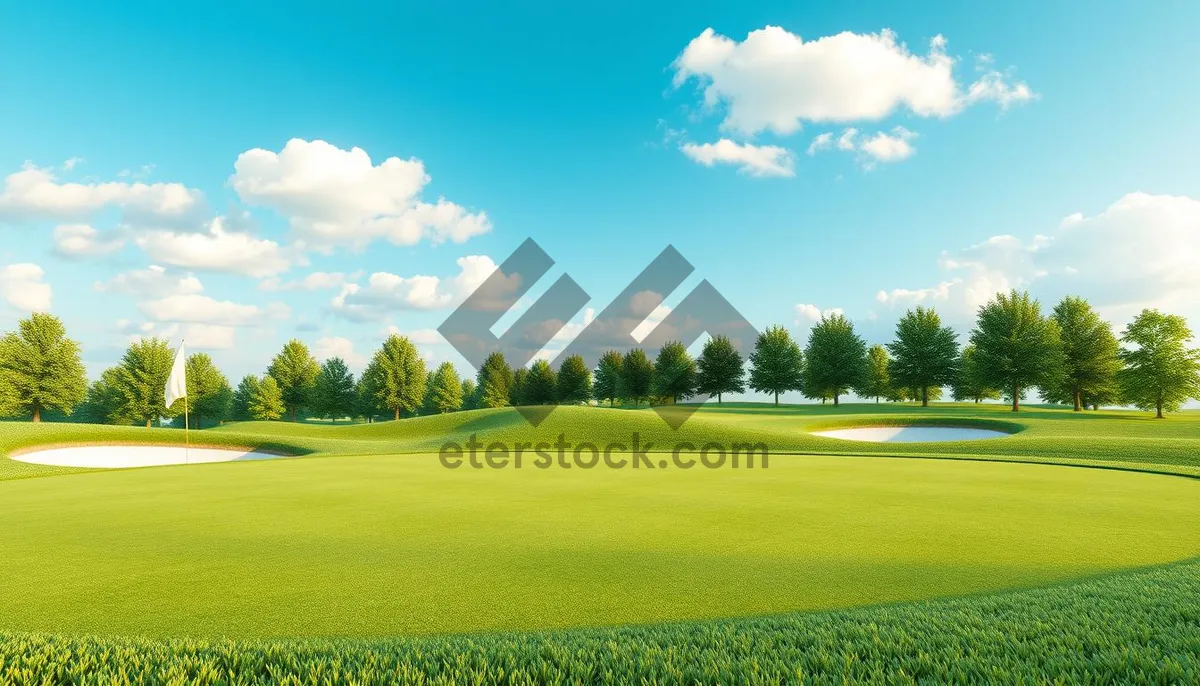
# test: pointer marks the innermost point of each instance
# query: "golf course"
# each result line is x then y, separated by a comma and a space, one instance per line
359, 553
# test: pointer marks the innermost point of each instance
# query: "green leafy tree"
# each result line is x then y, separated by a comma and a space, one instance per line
495, 381
209, 394
470, 395
334, 393
516, 392
1161, 372
776, 365
395, 378
40, 369
637, 371
574, 381
969, 384
674, 373
141, 379
720, 368
242, 396
103, 402
607, 385
447, 389
267, 402
1016, 347
365, 405
540, 387
1089, 355
295, 371
877, 383
924, 354
836, 357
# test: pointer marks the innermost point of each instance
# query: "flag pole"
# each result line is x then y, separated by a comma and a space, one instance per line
187, 440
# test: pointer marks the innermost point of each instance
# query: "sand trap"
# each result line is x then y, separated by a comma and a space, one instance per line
118, 456
910, 434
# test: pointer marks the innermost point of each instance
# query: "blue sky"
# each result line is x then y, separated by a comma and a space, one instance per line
588, 131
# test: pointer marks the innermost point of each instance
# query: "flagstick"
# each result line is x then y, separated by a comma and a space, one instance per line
187, 441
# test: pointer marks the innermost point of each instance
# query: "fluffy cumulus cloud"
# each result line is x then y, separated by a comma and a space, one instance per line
151, 282
1139, 252
316, 281
385, 293
198, 336
336, 346
220, 249
881, 146
332, 196
36, 193
82, 240
806, 313
774, 80
22, 287
755, 160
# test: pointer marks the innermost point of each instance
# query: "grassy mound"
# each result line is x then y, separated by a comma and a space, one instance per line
1141, 627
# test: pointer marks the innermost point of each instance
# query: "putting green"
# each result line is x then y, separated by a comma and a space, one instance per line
388, 545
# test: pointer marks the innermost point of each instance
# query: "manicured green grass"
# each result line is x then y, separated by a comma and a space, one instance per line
390, 545
1135, 628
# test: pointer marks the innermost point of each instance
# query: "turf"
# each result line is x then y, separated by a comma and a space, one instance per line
399, 545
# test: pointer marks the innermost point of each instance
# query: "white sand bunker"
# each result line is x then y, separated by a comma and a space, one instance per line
910, 434
118, 456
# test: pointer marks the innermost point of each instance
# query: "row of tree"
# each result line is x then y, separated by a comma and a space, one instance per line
1070, 355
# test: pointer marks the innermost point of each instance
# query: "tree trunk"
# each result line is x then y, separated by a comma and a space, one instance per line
1016, 398
147, 423
835, 398
924, 396
397, 414
37, 414
1078, 401
776, 398
1158, 406
718, 397
876, 400
978, 400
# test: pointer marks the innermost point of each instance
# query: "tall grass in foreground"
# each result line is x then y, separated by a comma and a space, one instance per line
1139, 627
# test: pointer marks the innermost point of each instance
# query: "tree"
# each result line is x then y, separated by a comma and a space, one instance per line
40, 368
395, 378
540, 385
969, 384
836, 357
516, 392
208, 392
719, 369
495, 381
446, 391
924, 354
470, 394
674, 373
574, 381
1017, 348
1089, 354
776, 365
636, 373
608, 377
267, 403
877, 383
103, 402
242, 397
295, 371
141, 379
1160, 371
334, 393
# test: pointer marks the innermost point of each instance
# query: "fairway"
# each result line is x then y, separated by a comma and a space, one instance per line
388, 545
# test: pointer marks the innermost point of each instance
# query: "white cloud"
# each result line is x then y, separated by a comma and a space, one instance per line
197, 336
775, 80
417, 336
386, 292
219, 249
201, 309
806, 312
1139, 252
22, 287
35, 193
82, 240
332, 196
316, 281
879, 147
151, 282
754, 160
326, 348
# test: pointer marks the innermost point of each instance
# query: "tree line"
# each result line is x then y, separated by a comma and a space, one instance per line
1069, 355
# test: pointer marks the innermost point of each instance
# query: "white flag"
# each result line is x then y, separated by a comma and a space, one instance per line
177, 382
